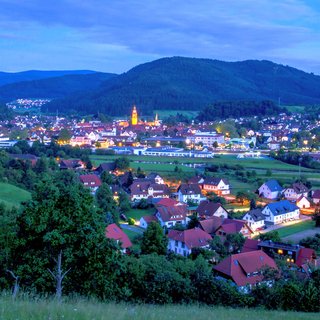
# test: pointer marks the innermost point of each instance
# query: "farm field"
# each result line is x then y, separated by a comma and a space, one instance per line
12, 195
81, 309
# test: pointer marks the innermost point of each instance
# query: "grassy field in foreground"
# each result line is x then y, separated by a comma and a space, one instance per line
84, 310
12, 195
302, 226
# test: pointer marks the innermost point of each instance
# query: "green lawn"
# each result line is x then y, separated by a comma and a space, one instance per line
81, 309
12, 195
136, 214
166, 113
302, 226
131, 234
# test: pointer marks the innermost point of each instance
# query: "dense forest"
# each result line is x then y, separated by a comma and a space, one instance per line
56, 87
222, 110
187, 83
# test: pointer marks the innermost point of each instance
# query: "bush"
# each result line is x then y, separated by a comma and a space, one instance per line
131, 221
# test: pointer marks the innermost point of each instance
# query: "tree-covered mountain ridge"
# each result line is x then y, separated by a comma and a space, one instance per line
179, 83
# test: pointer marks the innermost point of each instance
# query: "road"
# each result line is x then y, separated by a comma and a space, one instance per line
295, 238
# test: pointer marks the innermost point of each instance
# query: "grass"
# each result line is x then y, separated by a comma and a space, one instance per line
12, 195
131, 234
136, 214
295, 228
166, 113
298, 109
40, 309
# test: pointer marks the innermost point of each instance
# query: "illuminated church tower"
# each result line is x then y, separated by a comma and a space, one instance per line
134, 116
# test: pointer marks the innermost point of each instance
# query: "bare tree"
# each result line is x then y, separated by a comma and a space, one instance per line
15, 289
58, 275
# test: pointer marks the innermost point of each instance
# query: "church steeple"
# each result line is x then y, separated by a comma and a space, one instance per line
134, 116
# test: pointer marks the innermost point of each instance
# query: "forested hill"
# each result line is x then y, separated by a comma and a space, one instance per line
190, 83
12, 77
56, 87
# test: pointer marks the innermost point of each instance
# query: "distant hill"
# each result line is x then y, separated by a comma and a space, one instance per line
55, 87
12, 77
191, 84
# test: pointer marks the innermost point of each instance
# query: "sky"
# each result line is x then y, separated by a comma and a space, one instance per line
116, 35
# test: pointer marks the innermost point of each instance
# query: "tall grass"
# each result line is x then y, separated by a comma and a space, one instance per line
79, 309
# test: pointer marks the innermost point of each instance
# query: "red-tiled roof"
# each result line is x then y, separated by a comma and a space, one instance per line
114, 232
172, 213
90, 180
193, 238
305, 255
168, 202
316, 194
208, 208
243, 268
250, 245
211, 225
230, 226
149, 219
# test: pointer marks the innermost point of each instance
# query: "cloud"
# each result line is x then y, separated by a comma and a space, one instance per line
224, 29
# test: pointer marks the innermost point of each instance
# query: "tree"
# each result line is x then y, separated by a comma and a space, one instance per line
242, 196
106, 177
64, 136
89, 165
122, 163
253, 204
316, 217
235, 242
154, 240
62, 217
106, 202
271, 235
124, 202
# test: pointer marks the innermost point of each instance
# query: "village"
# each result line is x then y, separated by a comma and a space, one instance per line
206, 188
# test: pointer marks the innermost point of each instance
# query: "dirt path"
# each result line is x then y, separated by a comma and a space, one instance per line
295, 238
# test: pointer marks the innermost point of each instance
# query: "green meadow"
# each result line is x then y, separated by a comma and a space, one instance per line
12, 195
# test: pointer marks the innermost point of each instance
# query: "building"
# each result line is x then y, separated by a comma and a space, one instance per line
205, 138
208, 209
316, 196
295, 191
232, 226
182, 242
134, 116
245, 269
270, 190
255, 219
146, 220
145, 189
217, 185
190, 193
170, 216
115, 233
281, 211
303, 202
91, 181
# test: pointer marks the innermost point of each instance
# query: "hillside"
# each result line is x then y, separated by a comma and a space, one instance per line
56, 87
81, 309
187, 83
12, 195
12, 77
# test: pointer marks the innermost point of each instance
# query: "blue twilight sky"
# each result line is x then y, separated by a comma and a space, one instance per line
115, 35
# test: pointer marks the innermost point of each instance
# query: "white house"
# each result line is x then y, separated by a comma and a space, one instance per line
216, 185
208, 209
295, 191
170, 216
281, 211
190, 192
255, 219
270, 189
146, 220
182, 242
303, 203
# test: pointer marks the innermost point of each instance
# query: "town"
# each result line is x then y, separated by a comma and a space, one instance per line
215, 189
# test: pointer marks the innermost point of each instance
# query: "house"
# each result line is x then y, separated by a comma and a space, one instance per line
211, 225
316, 196
208, 208
25, 157
91, 181
250, 245
303, 202
291, 253
146, 220
155, 178
182, 242
189, 193
245, 269
169, 216
196, 180
281, 211
231, 226
217, 185
295, 191
115, 233
270, 189
145, 189
71, 165
106, 166
255, 219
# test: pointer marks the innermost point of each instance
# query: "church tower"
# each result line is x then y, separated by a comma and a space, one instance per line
134, 116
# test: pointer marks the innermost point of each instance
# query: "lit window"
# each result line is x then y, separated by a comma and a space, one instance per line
280, 251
